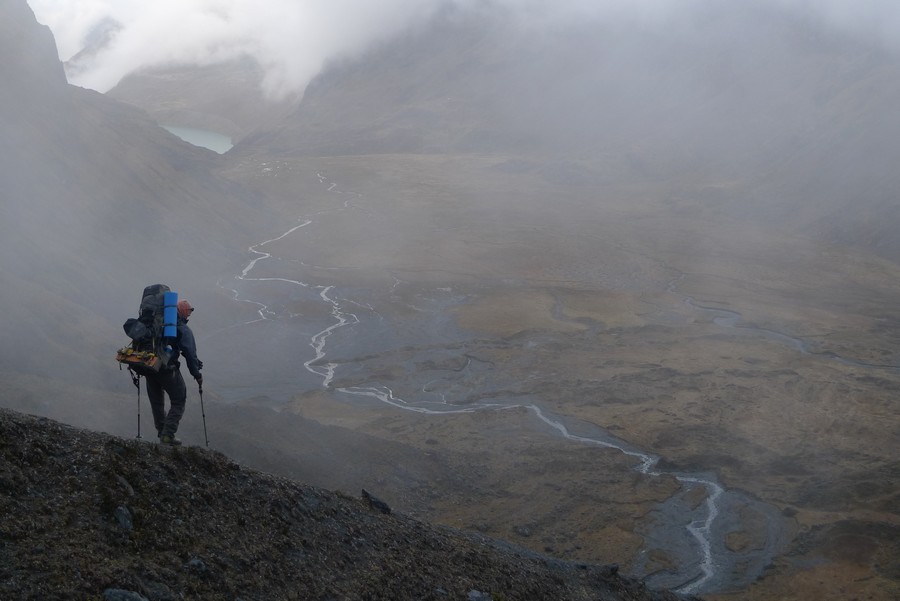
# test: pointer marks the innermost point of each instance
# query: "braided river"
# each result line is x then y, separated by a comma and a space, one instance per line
692, 526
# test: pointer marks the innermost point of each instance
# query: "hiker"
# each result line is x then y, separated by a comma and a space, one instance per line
170, 381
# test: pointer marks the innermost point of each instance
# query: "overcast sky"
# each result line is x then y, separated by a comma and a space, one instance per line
293, 39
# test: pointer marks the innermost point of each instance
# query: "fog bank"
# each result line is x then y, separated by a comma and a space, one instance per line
104, 40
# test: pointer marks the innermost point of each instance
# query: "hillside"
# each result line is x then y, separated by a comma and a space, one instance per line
224, 98
756, 111
85, 514
610, 293
97, 201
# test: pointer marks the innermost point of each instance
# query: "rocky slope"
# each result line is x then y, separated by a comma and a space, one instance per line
89, 516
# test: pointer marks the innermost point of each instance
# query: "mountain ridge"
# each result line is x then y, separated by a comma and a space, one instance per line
794, 116
96, 197
88, 514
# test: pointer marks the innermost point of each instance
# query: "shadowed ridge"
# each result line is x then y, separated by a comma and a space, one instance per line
86, 513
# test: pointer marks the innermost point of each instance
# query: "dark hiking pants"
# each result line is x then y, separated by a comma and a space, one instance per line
171, 383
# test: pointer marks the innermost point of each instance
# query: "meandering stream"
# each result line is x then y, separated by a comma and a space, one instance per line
691, 527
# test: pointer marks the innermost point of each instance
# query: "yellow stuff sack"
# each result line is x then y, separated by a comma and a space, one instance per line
140, 362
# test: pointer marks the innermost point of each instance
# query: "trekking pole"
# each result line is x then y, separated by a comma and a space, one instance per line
136, 380
203, 412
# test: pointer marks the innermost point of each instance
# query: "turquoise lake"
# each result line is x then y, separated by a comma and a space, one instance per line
200, 137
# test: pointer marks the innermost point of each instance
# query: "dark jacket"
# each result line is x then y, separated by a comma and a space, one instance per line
185, 346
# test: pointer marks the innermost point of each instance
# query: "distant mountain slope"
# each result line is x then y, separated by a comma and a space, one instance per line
224, 98
725, 85
97, 201
792, 122
794, 117
87, 514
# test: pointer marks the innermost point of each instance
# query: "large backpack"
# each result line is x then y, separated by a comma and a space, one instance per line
151, 333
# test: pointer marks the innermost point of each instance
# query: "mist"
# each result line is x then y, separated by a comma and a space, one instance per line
105, 40
474, 238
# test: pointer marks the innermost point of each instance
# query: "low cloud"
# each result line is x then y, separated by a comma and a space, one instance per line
291, 39
294, 39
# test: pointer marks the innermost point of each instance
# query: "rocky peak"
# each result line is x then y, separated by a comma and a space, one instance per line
30, 58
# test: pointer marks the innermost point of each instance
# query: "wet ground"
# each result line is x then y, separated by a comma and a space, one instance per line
601, 401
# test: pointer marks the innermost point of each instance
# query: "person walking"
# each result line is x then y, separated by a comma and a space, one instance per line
168, 381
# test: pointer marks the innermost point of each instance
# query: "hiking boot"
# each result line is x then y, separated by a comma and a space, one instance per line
169, 440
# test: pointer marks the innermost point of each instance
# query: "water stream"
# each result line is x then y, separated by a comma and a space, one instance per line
691, 527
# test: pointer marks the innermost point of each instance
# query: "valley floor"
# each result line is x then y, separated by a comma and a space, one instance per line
720, 346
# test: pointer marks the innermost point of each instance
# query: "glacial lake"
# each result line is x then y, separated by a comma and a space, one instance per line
200, 137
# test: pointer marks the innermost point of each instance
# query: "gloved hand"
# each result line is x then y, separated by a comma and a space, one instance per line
199, 364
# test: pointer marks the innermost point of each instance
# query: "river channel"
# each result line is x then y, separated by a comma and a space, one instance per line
692, 526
